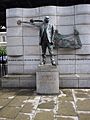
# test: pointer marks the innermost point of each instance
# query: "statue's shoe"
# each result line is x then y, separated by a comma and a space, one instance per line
53, 63
42, 63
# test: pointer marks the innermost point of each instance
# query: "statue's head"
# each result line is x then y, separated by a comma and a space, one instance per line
56, 31
46, 19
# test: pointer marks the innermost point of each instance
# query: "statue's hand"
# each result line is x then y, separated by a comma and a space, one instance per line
31, 20
40, 43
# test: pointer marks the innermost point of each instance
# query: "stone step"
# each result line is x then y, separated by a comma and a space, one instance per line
20, 81
74, 81
29, 81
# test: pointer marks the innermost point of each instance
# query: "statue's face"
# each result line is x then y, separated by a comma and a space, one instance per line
46, 20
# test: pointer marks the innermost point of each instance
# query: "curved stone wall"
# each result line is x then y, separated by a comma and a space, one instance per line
22, 40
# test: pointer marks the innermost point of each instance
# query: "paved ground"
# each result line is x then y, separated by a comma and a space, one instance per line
25, 104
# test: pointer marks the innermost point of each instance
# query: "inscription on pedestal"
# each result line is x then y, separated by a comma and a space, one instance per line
47, 80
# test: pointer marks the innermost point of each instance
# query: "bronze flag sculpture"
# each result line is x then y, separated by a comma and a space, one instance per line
67, 41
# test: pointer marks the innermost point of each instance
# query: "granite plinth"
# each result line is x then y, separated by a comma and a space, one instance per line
47, 79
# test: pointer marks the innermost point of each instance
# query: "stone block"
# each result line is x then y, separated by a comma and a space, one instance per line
15, 50
66, 51
14, 12
60, 83
84, 80
70, 83
31, 50
84, 50
27, 84
83, 29
65, 20
31, 40
47, 10
82, 9
12, 22
14, 41
32, 60
15, 69
30, 68
30, 31
66, 59
14, 31
28, 81
69, 80
10, 82
47, 79
82, 19
83, 59
65, 10
23, 81
88, 84
82, 68
83, 83
65, 30
84, 62
15, 60
85, 39
28, 19
64, 69
32, 12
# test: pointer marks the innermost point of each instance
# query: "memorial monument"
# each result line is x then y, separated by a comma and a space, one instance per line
24, 51
47, 76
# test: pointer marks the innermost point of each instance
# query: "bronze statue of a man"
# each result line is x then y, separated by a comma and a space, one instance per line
46, 40
46, 35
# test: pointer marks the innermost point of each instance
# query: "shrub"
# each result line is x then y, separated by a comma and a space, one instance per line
3, 51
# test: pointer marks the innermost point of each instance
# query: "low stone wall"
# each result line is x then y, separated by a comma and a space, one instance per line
29, 81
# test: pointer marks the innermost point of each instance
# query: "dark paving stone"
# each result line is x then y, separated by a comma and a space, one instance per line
84, 116
68, 97
28, 107
81, 95
47, 105
8, 93
44, 115
83, 105
80, 91
65, 98
4, 102
17, 102
9, 112
66, 109
67, 91
26, 92
62, 118
22, 117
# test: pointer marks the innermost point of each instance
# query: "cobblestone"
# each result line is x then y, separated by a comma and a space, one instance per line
25, 104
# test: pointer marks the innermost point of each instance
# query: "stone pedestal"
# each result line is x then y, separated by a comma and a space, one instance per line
47, 79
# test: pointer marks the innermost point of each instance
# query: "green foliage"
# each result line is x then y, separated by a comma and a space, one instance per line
3, 51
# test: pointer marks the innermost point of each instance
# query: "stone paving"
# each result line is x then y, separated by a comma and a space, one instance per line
25, 104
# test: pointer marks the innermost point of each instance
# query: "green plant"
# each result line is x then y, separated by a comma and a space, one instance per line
3, 51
